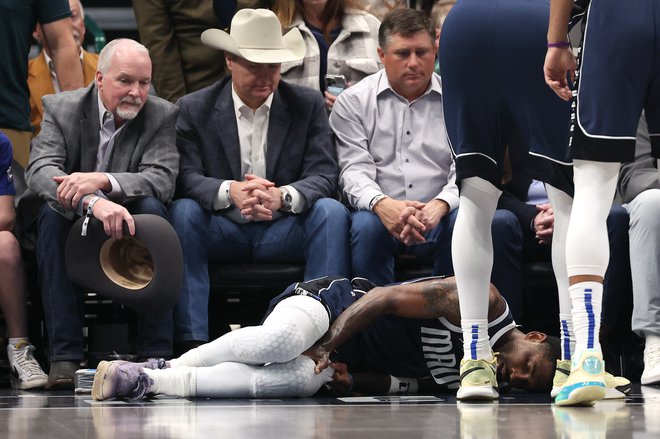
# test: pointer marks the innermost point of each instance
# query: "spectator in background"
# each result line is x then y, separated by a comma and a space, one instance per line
397, 170
42, 78
225, 9
26, 373
170, 29
16, 26
340, 39
258, 170
639, 188
107, 150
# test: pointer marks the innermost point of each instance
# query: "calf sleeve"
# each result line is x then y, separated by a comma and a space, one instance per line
587, 243
295, 378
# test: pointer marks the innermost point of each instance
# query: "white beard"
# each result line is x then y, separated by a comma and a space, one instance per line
130, 112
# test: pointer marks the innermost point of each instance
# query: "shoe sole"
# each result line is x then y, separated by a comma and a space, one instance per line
104, 370
477, 393
26, 385
610, 393
645, 381
584, 394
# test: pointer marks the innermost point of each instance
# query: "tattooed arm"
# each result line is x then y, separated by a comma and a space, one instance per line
424, 300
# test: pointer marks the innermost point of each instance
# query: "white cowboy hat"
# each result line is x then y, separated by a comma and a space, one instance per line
256, 35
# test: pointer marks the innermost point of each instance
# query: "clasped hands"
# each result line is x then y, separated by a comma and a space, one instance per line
544, 223
74, 187
408, 220
256, 198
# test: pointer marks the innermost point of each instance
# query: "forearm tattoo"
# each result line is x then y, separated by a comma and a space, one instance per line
441, 298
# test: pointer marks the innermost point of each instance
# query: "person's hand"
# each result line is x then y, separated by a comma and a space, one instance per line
342, 381
544, 222
390, 213
559, 63
113, 215
432, 213
413, 229
320, 355
329, 100
72, 188
247, 196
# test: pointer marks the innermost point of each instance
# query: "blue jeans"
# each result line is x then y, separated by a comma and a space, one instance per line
64, 302
373, 251
319, 238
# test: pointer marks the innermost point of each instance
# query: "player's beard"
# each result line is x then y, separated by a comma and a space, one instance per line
132, 110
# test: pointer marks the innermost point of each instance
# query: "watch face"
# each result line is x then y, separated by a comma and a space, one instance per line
288, 198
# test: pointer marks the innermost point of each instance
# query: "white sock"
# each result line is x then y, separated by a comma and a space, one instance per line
476, 343
566, 338
587, 299
18, 342
181, 381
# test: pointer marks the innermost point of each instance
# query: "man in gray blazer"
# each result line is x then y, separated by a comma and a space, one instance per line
106, 151
258, 168
639, 188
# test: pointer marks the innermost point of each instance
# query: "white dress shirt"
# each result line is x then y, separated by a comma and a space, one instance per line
387, 146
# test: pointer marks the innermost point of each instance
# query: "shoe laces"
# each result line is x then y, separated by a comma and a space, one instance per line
26, 361
141, 387
652, 357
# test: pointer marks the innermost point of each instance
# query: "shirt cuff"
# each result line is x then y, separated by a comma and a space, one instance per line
116, 191
364, 202
297, 199
450, 199
222, 199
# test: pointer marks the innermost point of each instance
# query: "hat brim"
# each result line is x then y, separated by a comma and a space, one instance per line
294, 47
83, 262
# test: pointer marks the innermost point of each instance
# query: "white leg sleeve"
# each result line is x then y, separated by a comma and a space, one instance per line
472, 246
294, 326
295, 378
472, 254
587, 243
561, 207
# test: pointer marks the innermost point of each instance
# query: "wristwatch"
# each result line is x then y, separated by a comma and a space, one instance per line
286, 199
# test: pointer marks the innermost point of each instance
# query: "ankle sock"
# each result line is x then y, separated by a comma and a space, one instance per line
19, 342
476, 343
567, 338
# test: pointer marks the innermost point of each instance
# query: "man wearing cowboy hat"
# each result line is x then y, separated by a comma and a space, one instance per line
105, 151
258, 168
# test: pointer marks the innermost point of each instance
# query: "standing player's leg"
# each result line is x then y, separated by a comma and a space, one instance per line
472, 253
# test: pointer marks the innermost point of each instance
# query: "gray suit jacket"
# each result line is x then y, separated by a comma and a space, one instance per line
144, 160
300, 150
642, 174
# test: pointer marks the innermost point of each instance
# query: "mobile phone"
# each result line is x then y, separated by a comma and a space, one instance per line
335, 84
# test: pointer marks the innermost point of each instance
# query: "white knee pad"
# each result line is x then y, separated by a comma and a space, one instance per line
293, 327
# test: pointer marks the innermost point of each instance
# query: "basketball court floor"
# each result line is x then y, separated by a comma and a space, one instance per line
516, 415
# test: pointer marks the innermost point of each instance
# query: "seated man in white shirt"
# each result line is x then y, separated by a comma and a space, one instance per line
397, 169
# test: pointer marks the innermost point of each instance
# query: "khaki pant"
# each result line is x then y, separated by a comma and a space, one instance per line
20, 141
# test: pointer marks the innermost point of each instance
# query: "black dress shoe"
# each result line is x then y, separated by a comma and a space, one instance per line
61, 375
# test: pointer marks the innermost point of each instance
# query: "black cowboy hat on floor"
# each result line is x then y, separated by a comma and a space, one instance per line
143, 271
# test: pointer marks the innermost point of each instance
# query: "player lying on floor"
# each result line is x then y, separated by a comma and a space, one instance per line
410, 331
